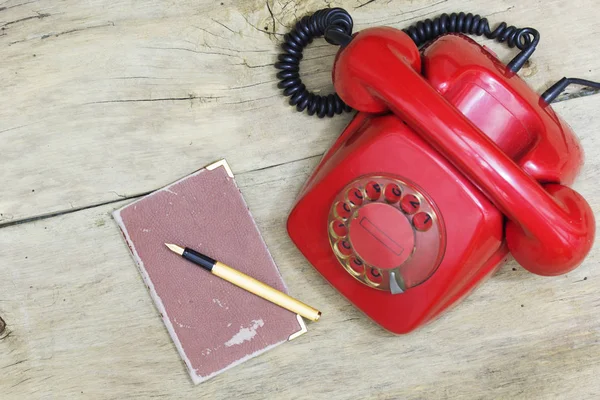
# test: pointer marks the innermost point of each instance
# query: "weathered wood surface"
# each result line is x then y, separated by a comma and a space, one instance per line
102, 101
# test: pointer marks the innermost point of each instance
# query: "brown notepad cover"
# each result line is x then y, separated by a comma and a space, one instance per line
214, 324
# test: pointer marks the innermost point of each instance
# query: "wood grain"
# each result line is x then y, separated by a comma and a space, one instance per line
105, 100
102, 100
80, 320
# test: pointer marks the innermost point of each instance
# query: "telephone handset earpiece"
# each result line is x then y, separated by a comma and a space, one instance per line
550, 227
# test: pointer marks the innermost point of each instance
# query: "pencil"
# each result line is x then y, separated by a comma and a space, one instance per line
246, 282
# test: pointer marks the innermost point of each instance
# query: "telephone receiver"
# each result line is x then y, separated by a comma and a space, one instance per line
451, 164
550, 227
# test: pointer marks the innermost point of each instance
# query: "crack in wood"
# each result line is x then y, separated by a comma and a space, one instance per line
252, 100
272, 16
204, 99
364, 4
408, 12
245, 63
224, 26
281, 164
428, 6
253, 84
501, 11
295, 9
241, 51
140, 77
281, 12
318, 57
15, 127
209, 32
17, 5
132, 197
119, 195
271, 34
22, 381
192, 51
39, 16
69, 211
76, 30
13, 364
48, 35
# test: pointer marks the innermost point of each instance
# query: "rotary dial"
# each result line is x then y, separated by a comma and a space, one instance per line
386, 233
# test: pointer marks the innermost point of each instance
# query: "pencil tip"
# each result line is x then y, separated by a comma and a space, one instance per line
174, 248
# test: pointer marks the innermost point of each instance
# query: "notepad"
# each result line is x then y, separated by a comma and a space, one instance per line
214, 324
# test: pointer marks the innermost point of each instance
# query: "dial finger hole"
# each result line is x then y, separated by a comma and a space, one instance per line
355, 197
373, 190
410, 204
392, 193
422, 221
356, 265
344, 247
342, 209
374, 275
338, 228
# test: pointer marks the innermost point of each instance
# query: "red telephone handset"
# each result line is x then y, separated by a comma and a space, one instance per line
451, 163
550, 228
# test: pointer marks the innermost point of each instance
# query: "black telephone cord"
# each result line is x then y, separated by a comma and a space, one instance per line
336, 25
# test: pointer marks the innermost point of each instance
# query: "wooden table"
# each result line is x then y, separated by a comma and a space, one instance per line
103, 101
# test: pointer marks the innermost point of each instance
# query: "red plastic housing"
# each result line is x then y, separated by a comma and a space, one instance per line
466, 155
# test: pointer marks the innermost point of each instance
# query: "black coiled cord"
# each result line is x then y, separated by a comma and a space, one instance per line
424, 31
336, 25
328, 22
525, 39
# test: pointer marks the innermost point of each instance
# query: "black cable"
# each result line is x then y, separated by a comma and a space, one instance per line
555, 90
336, 25
525, 39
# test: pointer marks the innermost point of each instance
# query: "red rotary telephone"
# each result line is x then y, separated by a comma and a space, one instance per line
451, 163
